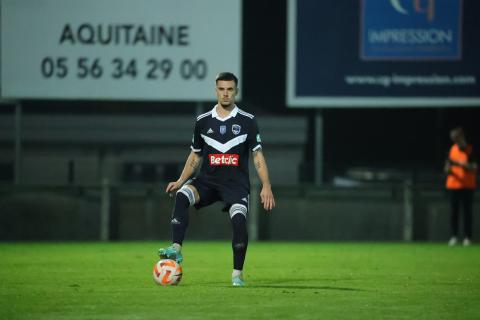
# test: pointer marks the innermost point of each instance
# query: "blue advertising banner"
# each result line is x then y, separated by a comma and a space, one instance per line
411, 29
383, 53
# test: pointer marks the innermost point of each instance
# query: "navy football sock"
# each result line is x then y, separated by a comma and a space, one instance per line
239, 240
179, 220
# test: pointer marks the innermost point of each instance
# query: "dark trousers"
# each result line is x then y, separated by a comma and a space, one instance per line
461, 199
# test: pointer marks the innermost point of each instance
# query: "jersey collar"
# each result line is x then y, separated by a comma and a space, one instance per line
232, 114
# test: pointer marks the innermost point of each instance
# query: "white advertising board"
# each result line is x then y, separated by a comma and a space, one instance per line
118, 49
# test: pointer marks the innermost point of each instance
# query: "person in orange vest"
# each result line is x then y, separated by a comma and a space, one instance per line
461, 170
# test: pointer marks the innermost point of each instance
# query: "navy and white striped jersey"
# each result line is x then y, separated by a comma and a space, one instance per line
225, 145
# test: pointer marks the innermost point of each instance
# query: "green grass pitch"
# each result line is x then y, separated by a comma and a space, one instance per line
299, 280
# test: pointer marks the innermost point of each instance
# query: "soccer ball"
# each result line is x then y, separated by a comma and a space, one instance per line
167, 272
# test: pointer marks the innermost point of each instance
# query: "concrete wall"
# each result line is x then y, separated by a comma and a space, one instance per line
80, 149
302, 213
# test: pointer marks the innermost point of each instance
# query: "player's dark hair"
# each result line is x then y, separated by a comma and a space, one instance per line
226, 76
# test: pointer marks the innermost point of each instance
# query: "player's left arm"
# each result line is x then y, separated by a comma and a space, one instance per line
266, 194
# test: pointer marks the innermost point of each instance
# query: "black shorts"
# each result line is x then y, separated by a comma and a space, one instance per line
230, 192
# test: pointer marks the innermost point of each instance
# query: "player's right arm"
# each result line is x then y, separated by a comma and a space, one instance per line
193, 161
447, 167
191, 165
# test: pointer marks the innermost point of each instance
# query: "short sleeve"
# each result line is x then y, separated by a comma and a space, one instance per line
197, 141
253, 138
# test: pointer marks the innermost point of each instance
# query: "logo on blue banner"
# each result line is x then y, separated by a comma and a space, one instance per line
411, 29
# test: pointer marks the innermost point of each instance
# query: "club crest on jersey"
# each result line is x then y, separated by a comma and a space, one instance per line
223, 129
236, 129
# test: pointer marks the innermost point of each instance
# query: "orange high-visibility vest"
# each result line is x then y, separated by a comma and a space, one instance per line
458, 177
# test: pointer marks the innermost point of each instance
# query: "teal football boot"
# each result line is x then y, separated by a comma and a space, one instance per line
238, 282
170, 253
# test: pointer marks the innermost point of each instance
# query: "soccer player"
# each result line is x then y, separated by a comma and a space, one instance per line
223, 139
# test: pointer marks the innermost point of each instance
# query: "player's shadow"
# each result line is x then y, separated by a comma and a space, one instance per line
286, 284
302, 287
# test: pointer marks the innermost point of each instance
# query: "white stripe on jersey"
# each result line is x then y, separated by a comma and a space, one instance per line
203, 115
224, 147
246, 114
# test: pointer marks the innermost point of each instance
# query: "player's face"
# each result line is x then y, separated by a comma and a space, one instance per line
226, 92
456, 136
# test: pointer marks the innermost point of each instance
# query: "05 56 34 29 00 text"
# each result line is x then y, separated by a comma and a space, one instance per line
122, 68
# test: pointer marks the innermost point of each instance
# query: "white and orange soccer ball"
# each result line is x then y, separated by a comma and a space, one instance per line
167, 272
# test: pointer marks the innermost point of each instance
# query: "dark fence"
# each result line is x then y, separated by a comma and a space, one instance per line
398, 212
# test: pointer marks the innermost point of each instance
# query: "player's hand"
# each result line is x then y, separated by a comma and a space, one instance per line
172, 187
266, 195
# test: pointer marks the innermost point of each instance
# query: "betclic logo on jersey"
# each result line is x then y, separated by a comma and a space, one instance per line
411, 29
223, 159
